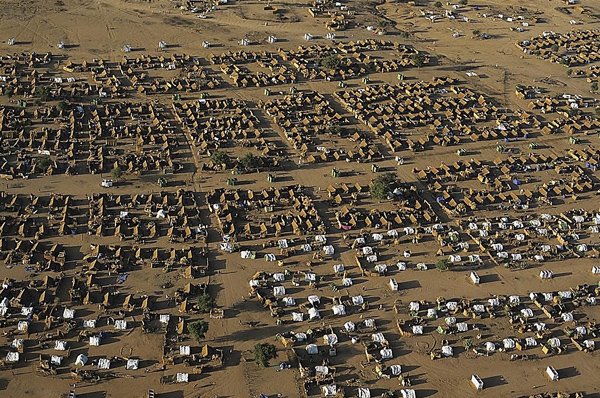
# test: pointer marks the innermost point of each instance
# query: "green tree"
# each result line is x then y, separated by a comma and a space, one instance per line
43, 162
331, 61
334, 129
468, 343
442, 264
463, 2
249, 161
62, 106
594, 86
198, 329
418, 59
43, 92
220, 157
438, 4
205, 302
116, 172
382, 185
263, 353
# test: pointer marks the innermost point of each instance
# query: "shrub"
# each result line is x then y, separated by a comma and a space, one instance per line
43, 162
219, 157
62, 106
263, 353
438, 4
43, 92
116, 172
468, 343
463, 2
249, 161
594, 86
331, 61
442, 265
418, 59
205, 302
334, 130
382, 185
198, 329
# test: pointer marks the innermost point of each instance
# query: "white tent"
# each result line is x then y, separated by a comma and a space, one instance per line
185, 350
417, 329
396, 370
297, 316
279, 291
339, 309
408, 393
183, 377
60, 345
132, 364
386, 353
447, 351
552, 373
312, 349
12, 357
104, 363
89, 323
313, 313
509, 344
81, 360
330, 339
477, 382
364, 392
329, 391
120, 324
289, 301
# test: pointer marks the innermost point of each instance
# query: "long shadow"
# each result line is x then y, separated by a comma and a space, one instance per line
494, 381
566, 373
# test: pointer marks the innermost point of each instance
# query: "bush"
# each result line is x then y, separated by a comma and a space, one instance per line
438, 4
463, 2
62, 106
418, 59
382, 185
334, 130
597, 111
43, 92
442, 265
263, 353
331, 61
249, 161
220, 157
569, 72
198, 329
43, 162
468, 343
116, 172
594, 86
205, 302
